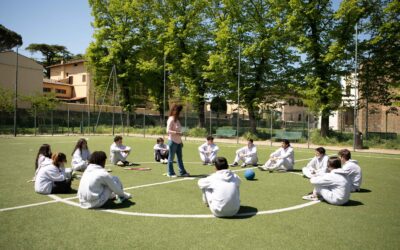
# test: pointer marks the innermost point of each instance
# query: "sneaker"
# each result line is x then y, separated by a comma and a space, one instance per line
127, 195
171, 175
204, 163
185, 175
262, 168
310, 197
120, 164
243, 165
210, 164
235, 164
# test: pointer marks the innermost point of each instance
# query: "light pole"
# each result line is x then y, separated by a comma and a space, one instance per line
238, 100
16, 96
355, 92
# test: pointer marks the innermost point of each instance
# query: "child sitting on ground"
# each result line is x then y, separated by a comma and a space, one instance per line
161, 151
208, 151
97, 186
221, 190
51, 177
80, 155
119, 152
333, 186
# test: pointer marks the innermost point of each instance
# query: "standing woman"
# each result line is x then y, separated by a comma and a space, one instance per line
43, 157
175, 142
80, 156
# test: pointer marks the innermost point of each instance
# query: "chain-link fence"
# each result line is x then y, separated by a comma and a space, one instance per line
69, 119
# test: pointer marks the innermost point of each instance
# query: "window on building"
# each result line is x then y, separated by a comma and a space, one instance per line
299, 118
67, 74
61, 91
83, 78
46, 90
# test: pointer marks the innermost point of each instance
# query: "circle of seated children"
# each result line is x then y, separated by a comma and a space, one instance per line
333, 178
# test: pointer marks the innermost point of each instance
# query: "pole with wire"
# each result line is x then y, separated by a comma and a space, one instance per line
16, 95
355, 90
165, 79
238, 98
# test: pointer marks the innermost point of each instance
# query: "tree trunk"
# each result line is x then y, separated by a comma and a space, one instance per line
200, 110
252, 118
324, 125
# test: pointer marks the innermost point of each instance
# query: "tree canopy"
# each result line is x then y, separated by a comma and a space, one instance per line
9, 39
52, 54
284, 48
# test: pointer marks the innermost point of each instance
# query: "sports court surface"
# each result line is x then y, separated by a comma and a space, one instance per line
168, 213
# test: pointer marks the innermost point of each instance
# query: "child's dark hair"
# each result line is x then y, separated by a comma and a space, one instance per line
320, 150
79, 145
286, 141
210, 138
221, 163
44, 150
117, 138
334, 162
98, 158
160, 140
58, 158
250, 140
345, 153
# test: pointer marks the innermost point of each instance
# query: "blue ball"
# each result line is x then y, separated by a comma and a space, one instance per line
249, 174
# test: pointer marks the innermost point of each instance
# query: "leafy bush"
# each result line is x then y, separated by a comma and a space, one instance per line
197, 132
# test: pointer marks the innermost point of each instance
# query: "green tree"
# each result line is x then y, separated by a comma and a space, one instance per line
379, 77
187, 42
323, 38
117, 42
9, 39
6, 100
257, 27
52, 54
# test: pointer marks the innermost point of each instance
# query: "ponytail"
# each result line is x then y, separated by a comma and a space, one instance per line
58, 158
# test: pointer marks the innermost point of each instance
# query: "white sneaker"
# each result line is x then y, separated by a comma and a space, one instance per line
310, 197
127, 195
171, 176
120, 163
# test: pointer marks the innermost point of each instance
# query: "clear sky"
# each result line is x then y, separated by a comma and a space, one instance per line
62, 22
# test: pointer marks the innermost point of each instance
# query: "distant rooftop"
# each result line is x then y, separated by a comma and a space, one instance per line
68, 62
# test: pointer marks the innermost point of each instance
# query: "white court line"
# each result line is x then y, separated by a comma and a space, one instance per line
58, 199
36, 204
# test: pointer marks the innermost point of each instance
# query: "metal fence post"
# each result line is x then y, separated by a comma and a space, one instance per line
52, 128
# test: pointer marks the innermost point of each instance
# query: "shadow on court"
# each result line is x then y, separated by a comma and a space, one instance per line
364, 190
295, 170
198, 175
110, 204
245, 212
353, 203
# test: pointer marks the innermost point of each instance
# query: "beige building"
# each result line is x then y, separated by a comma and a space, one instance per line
70, 81
30, 73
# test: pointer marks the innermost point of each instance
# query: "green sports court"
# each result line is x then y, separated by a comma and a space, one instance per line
168, 213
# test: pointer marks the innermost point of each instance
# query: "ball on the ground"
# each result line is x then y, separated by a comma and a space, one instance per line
249, 174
